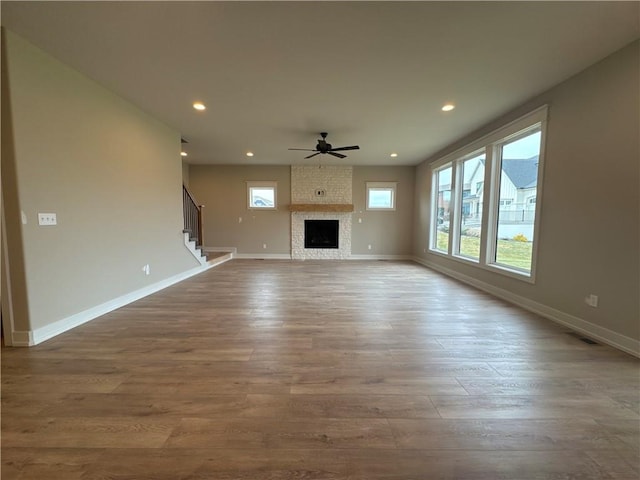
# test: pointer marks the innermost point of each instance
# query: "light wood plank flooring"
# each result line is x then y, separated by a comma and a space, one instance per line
319, 370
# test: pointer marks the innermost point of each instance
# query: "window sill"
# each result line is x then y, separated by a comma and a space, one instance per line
499, 269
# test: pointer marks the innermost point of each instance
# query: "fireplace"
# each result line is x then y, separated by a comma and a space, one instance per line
321, 233
336, 181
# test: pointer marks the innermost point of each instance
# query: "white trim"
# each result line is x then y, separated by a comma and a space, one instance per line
284, 256
231, 250
263, 256
604, 335
265, 185
492, 144
195, 251
8, 327
39, 335
503, 132
387, 186
21, 338
219, 260
380, 257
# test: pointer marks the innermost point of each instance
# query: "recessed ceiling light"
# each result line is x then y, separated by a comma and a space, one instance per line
249, 154
199, 106
184, 154
393, 155
448, 107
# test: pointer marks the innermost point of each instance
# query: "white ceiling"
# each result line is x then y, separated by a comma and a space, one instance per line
275, 74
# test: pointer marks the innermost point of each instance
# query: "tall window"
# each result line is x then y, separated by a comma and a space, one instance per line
485, 199
518, 172
469, 228
443, 209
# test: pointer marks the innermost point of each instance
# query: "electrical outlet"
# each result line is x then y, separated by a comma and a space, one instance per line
264, 245
47, 219
239, 219
369, 247
146, 269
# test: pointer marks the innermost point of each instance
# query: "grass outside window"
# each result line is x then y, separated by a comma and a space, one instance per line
511, 253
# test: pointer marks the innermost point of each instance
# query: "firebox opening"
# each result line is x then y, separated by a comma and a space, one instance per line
321, 233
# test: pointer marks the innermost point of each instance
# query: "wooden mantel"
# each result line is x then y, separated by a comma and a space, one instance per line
321, 207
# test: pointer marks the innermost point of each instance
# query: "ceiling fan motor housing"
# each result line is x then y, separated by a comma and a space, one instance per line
323, 146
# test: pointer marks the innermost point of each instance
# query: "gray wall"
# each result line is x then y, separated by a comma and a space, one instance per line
222, 189
589, 233
110, 172
388, 232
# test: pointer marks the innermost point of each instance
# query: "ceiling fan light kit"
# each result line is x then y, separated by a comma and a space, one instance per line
324, 147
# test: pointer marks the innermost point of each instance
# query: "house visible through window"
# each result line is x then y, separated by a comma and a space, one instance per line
443, 212
498, 175
470, 218
518, 179
262, 195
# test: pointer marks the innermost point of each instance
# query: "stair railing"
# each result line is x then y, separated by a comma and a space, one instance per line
192, 216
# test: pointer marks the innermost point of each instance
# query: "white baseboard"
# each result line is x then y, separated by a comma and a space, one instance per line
604, 335
39, 335
220, 249
380, 257
263, 256
218, 260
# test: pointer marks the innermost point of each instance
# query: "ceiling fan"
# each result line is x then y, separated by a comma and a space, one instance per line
324, 147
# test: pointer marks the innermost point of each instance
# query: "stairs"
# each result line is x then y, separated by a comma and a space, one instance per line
205, 259
195, 249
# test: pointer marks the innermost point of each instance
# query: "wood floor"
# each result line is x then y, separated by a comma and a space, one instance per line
319, 370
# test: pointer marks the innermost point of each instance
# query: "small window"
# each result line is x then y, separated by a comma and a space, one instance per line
381, 195
262, 195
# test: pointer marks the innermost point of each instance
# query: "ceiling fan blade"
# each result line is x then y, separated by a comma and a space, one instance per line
303, 149
339, 155
312, 155
352, 147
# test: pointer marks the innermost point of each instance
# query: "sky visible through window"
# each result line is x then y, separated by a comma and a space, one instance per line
380, 198
525, 147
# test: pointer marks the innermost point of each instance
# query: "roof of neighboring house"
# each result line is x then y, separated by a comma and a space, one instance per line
523, 172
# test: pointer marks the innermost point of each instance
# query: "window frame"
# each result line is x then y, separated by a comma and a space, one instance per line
435, 216
264, 185
391, 186
490, 144
459, 195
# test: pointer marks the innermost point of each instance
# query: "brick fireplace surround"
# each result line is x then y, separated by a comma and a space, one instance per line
324, 186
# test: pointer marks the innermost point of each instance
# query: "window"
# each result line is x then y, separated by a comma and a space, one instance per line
381, 195
485, 208
262, 195
519, 178
442, 178
469, 228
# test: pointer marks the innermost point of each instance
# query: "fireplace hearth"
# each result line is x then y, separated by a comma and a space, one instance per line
321, 233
